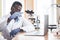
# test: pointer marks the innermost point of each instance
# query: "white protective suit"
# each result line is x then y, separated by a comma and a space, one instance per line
22, 23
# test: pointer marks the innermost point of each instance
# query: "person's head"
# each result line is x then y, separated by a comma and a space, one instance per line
16, 7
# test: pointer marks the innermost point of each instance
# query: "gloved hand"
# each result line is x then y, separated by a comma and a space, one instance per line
14, 32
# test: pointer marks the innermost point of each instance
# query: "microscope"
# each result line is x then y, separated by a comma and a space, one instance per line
35, 21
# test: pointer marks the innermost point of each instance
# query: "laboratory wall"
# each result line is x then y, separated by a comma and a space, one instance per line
28, 5
0, 8
58, 1
58, 10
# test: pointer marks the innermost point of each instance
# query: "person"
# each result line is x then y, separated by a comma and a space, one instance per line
16, 22
16, 7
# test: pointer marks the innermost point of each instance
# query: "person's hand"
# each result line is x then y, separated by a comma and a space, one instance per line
14, 32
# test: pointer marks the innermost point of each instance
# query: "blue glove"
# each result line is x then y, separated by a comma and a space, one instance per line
16, 14
14, 32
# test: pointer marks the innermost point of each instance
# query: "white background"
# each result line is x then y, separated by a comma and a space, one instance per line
46, 7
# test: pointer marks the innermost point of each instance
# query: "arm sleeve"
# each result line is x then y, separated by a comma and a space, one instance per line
10, 25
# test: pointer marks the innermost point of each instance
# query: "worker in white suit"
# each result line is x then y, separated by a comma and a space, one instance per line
16, 23
21, 23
